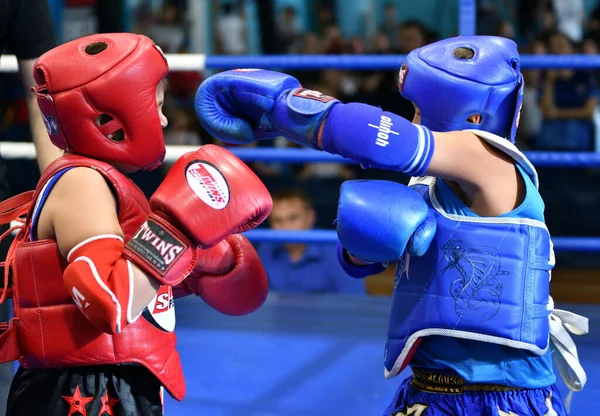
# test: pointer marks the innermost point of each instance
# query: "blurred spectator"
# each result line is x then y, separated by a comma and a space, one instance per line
311, 44
288, 32
534, 17
589, 46
326, 171
357, 46
332, 40
488, 16
324, 19
182, 129
302, 268
531, 114
381, 43
506, 29
380, 88
570, 18
168, 31
231, 36
143, 16
182, 87
412, 35
569, 100
389, 25
593, 24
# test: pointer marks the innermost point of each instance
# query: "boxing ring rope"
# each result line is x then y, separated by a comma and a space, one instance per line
12, 150
201, 62
564, 244
16, 150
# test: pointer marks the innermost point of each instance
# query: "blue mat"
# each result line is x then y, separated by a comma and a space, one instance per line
314, 355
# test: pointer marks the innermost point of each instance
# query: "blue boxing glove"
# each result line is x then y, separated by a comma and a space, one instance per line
378, 221
245, 105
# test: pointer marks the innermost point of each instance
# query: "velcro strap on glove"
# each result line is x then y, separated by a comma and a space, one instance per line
299, 114
162, 251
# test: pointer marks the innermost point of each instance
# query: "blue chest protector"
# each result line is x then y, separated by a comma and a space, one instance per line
483, 279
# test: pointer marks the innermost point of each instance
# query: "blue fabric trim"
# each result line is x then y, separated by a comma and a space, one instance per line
42, 198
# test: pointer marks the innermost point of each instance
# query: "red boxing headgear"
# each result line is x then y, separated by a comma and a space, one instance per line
93, 87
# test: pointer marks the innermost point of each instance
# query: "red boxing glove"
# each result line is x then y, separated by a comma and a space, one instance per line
216, 260
240, 290
208, 195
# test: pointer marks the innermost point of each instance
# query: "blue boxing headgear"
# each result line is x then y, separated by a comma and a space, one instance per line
448, 90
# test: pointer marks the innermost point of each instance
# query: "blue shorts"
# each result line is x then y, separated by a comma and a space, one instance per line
415, 401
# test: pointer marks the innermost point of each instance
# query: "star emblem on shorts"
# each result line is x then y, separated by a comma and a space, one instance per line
107, 404
77, 402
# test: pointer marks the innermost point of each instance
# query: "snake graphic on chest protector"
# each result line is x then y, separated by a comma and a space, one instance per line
477, 291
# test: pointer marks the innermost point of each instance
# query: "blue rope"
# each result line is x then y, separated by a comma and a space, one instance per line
467, 18
370, 62
577, 244
540, 159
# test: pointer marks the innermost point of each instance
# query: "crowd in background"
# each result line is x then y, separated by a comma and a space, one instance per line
560, 110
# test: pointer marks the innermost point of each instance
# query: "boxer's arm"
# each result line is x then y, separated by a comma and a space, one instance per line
82, 213
380, 139
242, 106
482, 172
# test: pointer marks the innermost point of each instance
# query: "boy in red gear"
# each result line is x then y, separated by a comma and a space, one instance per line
95, 266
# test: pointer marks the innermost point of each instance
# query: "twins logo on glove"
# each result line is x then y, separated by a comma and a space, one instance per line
158, 247
208, 183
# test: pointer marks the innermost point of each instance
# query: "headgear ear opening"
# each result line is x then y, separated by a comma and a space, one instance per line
464, 52
103, 121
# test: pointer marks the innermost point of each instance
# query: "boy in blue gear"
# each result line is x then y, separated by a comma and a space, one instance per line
471, 313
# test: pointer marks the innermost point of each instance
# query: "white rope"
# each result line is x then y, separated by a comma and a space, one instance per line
177, 62
16, 150
8, 63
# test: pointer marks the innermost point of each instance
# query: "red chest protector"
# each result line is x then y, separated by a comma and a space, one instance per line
49, 331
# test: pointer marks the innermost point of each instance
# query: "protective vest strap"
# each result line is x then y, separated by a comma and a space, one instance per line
12, 209
562, 325
15, 207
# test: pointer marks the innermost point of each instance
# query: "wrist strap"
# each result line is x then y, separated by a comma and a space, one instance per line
299, 114
162, 251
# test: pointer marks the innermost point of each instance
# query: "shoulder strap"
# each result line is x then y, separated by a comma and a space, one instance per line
510, 149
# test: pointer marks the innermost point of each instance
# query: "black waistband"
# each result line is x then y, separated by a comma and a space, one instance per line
450, 383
